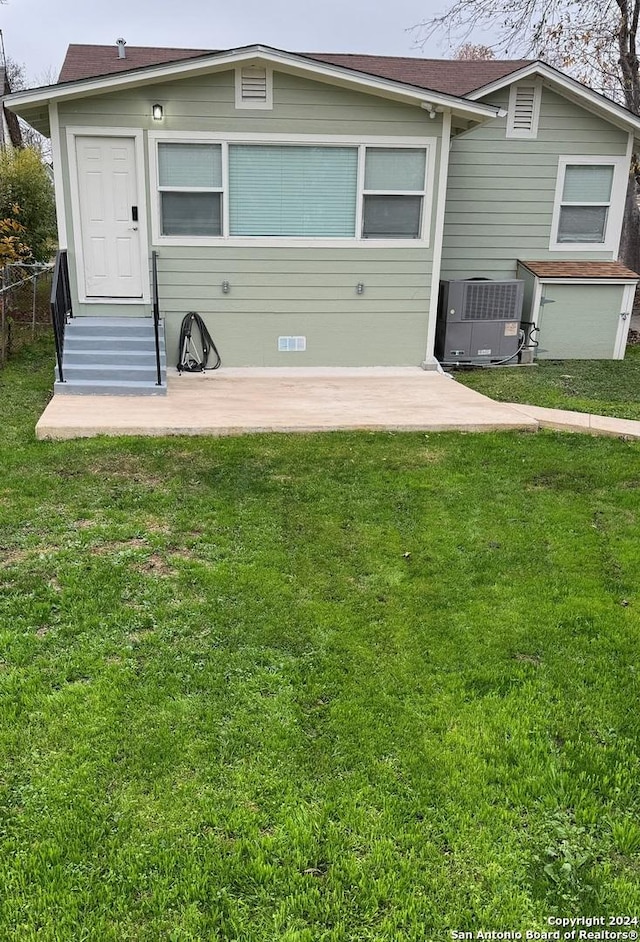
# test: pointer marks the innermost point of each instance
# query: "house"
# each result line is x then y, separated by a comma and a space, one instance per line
308, 206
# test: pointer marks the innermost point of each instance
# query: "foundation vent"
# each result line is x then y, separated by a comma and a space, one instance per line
292, 344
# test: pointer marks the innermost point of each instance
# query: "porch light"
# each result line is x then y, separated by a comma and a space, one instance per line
158, 112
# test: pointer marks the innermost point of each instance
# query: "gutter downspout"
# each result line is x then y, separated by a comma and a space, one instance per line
429, 362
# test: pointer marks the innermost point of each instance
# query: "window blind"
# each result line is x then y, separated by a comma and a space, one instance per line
394, 168
196, 165
587, 183
291, 190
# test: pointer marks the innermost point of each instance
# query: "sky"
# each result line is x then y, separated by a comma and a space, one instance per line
37, 32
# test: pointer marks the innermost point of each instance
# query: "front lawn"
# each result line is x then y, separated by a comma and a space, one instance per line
602, 387
314, 688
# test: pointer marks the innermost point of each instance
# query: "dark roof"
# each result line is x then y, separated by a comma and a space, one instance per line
449, 76
580, 270
82, 62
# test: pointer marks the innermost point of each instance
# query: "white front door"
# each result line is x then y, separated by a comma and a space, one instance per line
109, 205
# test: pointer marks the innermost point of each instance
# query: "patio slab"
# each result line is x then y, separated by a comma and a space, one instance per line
237, 401
564, 420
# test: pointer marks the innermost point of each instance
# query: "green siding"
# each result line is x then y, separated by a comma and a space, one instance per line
281, 291
581, 322
300, 106
501, 190
301, 292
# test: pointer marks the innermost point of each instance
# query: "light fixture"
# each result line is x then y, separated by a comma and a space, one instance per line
158, 112
360, 288
226, 287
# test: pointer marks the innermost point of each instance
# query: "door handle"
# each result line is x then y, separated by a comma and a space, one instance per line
133, 228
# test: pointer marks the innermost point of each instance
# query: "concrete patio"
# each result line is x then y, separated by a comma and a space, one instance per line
238, 401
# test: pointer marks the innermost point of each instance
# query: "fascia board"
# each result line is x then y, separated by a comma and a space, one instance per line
273, 57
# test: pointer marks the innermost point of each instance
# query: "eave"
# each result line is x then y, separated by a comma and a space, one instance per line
32, 104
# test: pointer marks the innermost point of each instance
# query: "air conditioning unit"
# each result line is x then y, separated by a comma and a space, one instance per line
478, 320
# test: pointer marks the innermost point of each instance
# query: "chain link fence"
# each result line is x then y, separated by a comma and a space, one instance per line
25, 294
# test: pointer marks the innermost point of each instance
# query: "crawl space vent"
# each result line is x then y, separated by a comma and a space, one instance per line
292, 344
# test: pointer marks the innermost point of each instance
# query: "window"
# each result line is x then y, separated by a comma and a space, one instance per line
190, 184
524, 110
292, 191
339, 190
394, 183
589, 203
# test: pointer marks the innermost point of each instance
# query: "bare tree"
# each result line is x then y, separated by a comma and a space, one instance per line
595, 40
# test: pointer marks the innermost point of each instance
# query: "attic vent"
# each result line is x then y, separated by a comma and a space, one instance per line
489, 301
524, 111
253, 83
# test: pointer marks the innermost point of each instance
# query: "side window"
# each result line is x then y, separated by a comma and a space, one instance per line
393, 195
589, 203
190, 184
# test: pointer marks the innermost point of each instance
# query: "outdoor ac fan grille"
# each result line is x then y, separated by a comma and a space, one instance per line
486, 301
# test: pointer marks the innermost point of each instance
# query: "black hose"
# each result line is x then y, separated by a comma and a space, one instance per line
190, 358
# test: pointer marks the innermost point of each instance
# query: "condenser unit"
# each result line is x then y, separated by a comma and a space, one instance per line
478, 320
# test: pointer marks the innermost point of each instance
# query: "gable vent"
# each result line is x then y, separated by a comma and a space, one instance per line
524, 108
253, 84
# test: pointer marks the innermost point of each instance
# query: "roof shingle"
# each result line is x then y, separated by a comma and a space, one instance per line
580, 269
448, 76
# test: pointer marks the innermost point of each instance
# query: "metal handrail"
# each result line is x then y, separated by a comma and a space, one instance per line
156, 315
60, 305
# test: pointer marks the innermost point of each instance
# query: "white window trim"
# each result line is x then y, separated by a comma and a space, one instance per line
616, 205
266, 105
514, 132
194, 137
138, 138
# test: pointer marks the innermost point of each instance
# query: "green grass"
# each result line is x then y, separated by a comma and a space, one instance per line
314, 688
602, 387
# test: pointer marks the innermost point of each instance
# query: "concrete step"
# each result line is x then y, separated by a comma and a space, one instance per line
145, 356
77, 387
111, 356
110, 326
127, 374
99, 342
